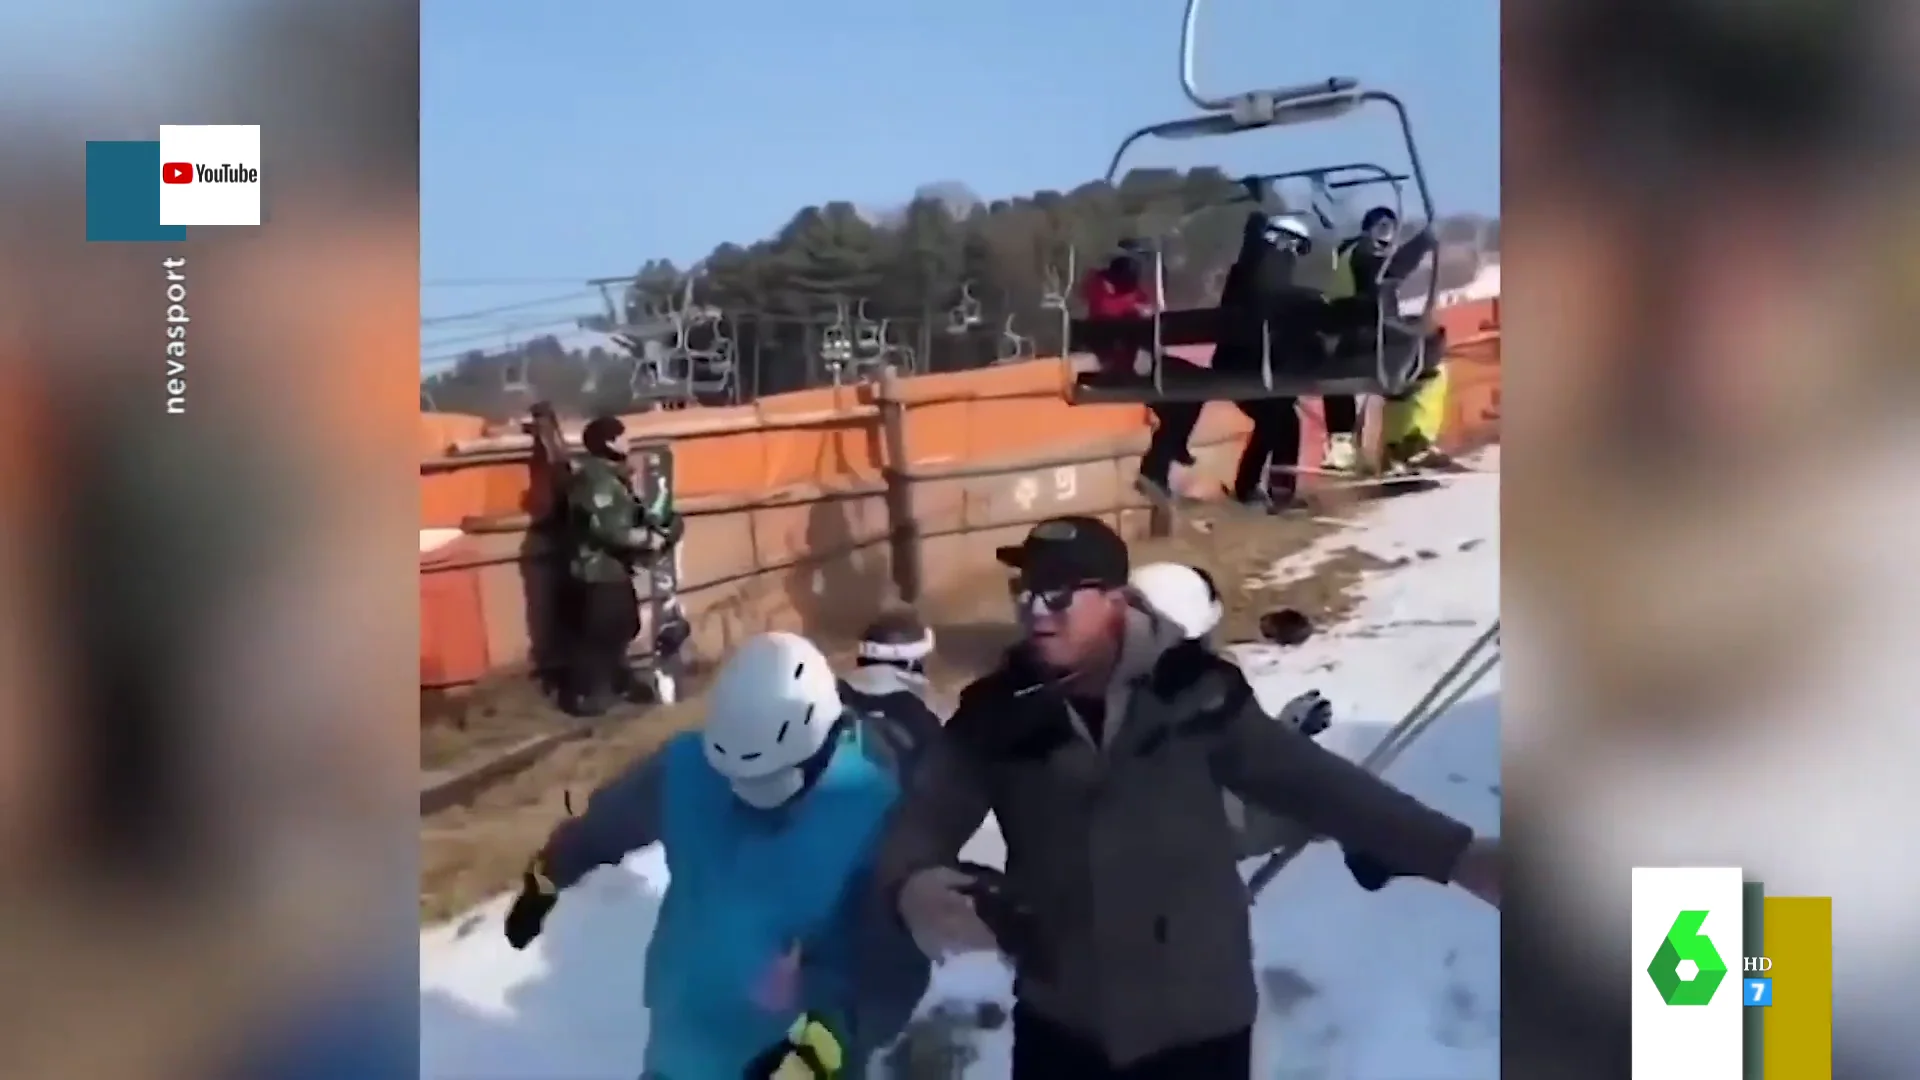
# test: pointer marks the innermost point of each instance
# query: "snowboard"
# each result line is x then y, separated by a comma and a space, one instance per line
667, 621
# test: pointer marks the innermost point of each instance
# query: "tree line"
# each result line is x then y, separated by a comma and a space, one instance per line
948, 282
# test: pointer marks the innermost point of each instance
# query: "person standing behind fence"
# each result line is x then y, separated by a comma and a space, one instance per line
609, 534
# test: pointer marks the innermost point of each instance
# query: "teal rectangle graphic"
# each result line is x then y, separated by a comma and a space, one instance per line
123, 195
1753, 1022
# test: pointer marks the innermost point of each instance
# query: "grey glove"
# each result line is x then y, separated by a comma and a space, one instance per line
1309, 713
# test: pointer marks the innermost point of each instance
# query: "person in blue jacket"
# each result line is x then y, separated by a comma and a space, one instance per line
771, 956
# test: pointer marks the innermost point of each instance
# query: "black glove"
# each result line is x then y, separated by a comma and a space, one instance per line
672, 528
811, 1051
1010, 918
1368, 872
672, 636
1309, 713
529, 911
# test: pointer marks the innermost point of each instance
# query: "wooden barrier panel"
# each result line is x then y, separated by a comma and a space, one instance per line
786, 500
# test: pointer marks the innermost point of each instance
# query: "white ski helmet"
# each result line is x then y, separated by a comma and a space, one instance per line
1183, 594
774, 705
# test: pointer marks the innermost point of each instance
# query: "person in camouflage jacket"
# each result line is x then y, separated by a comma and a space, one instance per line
610, 533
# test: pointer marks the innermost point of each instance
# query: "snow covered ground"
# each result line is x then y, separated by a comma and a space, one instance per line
1397, 985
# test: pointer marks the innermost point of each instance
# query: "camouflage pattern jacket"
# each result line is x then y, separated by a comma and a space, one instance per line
602, 512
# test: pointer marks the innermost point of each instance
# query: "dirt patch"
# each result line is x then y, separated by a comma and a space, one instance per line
468, 853
456, 729
1239, 552
471, 852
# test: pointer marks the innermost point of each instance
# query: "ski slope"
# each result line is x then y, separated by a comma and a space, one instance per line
1397, 985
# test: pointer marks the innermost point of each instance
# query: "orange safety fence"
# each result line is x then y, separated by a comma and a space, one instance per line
786, 497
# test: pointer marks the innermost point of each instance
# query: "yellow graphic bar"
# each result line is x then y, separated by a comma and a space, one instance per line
1799, 1024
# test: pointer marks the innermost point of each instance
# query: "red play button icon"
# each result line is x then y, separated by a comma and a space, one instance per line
176, 172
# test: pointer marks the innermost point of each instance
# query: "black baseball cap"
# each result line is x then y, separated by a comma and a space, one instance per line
1069, 553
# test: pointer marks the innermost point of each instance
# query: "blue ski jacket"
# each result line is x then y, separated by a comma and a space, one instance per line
747, 886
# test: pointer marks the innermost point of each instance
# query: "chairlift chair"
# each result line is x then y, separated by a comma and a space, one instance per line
1013, 346
836, 344
653, 380
514, 376
965, 315
1387, 361
869, 339
1329, 186
707, 342
1056, 287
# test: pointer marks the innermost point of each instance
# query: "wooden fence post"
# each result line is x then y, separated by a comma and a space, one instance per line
902, 526
1159, 520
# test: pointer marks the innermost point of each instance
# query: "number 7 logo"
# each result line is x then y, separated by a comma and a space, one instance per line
1759, 992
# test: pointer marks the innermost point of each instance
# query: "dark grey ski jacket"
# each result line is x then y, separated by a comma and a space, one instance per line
1124, 850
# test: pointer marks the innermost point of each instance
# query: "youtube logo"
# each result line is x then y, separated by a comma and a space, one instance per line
176, 172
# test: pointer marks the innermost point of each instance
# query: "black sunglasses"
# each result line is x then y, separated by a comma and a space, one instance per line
1055, 600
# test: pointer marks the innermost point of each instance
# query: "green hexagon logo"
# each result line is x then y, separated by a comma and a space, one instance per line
1685, 942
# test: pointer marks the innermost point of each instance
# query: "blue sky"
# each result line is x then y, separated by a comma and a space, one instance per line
566, 141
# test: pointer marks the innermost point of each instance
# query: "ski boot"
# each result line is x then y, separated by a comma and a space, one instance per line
1342, 454
1156, 492
1415, 454
1272, 501
1162, 495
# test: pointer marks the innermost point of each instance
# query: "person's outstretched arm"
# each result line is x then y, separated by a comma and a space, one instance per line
1276, 768
622, 816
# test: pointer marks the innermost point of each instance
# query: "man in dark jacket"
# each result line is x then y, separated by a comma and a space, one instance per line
1101, 745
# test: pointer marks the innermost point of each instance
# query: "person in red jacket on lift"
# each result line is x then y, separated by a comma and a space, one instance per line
1117, 291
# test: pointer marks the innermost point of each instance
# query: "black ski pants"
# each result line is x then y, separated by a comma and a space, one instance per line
1173, 426
1342, 413
606, 620
1043, 1050
1272, 451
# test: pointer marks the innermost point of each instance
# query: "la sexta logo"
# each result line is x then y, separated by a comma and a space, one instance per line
181, 172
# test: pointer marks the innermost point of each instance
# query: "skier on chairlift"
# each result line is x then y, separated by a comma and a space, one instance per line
1357, 263
1262, 294
1364, 277
1119, 290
